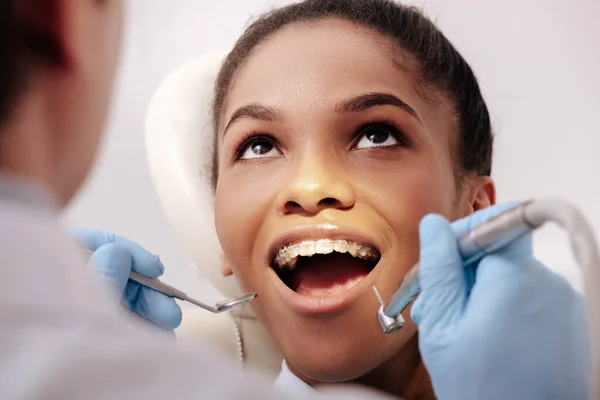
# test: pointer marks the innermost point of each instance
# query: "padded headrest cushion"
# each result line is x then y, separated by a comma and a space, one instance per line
179, 150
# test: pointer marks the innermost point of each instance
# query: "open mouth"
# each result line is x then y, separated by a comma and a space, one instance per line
324, 267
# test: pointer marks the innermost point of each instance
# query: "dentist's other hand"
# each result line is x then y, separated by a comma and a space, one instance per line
519, 333
113, 259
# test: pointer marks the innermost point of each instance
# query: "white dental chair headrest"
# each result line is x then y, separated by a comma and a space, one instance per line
178, 146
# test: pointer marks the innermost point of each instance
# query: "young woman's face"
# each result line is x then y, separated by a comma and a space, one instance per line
324, 142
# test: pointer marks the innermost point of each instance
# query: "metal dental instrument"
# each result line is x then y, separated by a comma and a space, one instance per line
155, 284
221, 306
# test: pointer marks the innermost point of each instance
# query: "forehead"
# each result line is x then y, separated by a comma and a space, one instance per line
311, 65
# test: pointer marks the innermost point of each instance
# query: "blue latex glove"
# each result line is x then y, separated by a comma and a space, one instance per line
519, 333
114, 257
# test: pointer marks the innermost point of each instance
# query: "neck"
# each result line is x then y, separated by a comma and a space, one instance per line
404, 375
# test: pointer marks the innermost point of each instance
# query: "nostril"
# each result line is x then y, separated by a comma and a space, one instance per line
330, 202
312, 207
292, 206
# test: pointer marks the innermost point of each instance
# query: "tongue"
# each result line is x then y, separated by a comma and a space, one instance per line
326, 275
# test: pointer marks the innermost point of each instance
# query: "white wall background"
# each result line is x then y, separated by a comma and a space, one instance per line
538, 62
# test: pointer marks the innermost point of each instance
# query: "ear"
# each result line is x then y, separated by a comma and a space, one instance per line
225, 268
65, 33
482, 193
46, 31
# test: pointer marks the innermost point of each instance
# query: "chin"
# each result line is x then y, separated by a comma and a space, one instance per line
336, 362
341, 348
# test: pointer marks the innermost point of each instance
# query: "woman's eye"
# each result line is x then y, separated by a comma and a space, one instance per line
259, 149
377, 135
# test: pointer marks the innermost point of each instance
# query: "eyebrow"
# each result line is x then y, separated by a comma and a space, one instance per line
366, 101
356, 104
255, 111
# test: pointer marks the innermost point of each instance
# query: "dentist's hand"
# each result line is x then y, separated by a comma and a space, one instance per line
520, 332
113, 259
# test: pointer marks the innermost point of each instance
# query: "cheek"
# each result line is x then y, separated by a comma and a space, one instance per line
242, 201
403, 193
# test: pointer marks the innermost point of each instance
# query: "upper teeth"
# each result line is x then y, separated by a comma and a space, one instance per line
287, 257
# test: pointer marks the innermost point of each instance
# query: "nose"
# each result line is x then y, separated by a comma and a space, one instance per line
312, 188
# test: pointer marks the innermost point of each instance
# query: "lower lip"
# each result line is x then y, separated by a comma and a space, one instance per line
318, 305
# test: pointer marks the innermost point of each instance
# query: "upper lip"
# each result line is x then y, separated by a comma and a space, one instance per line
316, 232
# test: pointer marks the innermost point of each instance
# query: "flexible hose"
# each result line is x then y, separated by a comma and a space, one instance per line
585, 251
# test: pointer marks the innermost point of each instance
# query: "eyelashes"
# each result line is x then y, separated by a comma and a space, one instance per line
375, 132
253, 138
372, 129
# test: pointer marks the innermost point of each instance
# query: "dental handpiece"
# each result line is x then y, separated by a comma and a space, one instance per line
155, 284
493, 235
